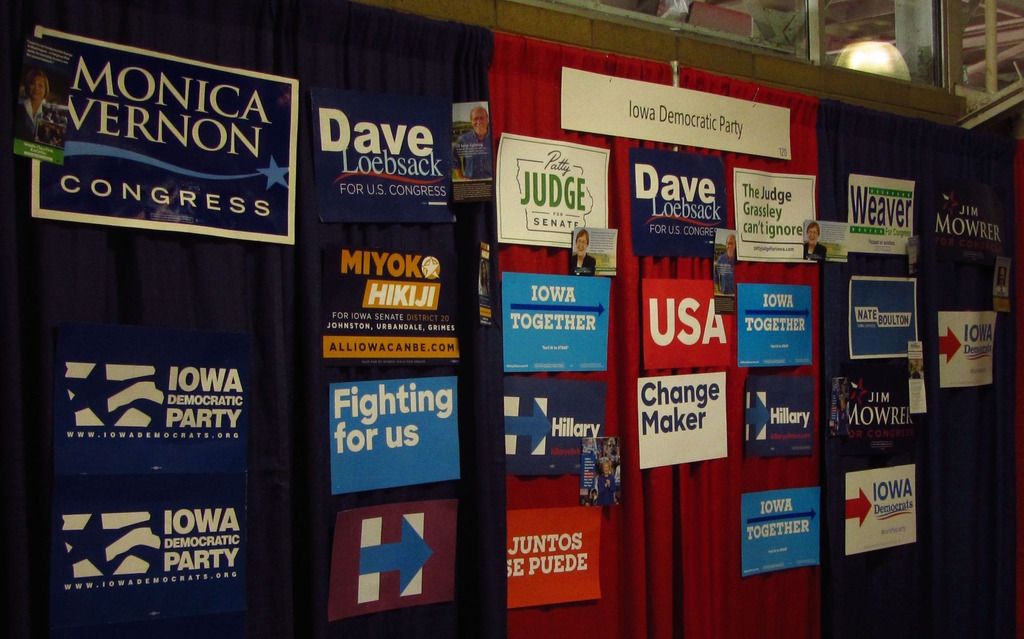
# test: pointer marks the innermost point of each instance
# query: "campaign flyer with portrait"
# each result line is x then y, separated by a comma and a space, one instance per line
395, 432
723, 270
881, 508
600, 475
381, 158
553, 555
392, 556
137, 547
546, 188
883, 316
41, 110
545, 419
472, 152
160, 142
878, 417
554, 322
780, 529
968, 222
133, 399
774, 325
677, 201
779, 417
770, 213
593, 251
390, 305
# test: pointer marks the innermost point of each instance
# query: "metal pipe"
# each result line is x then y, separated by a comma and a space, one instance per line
991, 63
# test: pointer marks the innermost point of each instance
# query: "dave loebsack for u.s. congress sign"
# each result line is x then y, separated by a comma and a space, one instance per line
166, 143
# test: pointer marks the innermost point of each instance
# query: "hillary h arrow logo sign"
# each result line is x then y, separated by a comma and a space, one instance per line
406, 556
534, 425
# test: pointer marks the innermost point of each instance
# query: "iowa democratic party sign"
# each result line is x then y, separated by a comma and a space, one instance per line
160, 142
966, 342
881, 508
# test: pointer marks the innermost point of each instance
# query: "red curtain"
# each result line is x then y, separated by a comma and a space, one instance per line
670, 554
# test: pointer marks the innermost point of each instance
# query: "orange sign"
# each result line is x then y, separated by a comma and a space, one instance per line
553, 556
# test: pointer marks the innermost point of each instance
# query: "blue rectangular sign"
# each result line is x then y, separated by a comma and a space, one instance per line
779, 529
160, 142
381, 158
140, 547
883, 316
394, 432
774, 325
133, 399
677, 201
555, 322
779, 416
544, 421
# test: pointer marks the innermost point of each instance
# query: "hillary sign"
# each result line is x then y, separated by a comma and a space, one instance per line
161, 142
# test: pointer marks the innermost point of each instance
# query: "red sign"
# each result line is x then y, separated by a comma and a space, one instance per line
681, 328
392, 556
553, 556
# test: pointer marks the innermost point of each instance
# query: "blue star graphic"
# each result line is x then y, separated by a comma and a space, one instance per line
757, 415
275, 174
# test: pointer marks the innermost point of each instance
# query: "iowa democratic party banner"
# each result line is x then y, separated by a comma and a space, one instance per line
681, 326
774, 325
392, 556
780, 529
136, 547
160, 142
381, 158
966, 342
132, 399
881, 508
545, 420
880, 211
393, 432
681, 418
779, 416
883, 316
389, 304
555, 322
553, 556
677, 201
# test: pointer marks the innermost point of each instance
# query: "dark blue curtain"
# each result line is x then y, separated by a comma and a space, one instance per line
52, 272
958, 579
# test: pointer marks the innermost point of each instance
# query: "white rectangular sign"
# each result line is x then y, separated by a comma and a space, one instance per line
547, 188
604, 104
966, 341
681, 418
881, 508
770, 212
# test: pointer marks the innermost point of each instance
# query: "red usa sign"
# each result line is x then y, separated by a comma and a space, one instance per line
681, 328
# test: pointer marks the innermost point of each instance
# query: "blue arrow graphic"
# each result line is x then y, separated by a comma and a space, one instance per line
757, 520
406, 556
559, 307
534, 425
777, 313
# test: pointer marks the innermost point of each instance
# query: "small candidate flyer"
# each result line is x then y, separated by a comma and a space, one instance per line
880, 212
883, 316
677, 201
381, 158
968, 222
472, 152
878, 417
555, 322
546, 188
881, 508
394, 432
774, 325
160, 142
41, 108
780, 529
553, 556
545, 419
681, 419
779, 417
392, 556
134, 399
966, 342
600, 476
389, 304
682, 326
134, 547
770, 213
